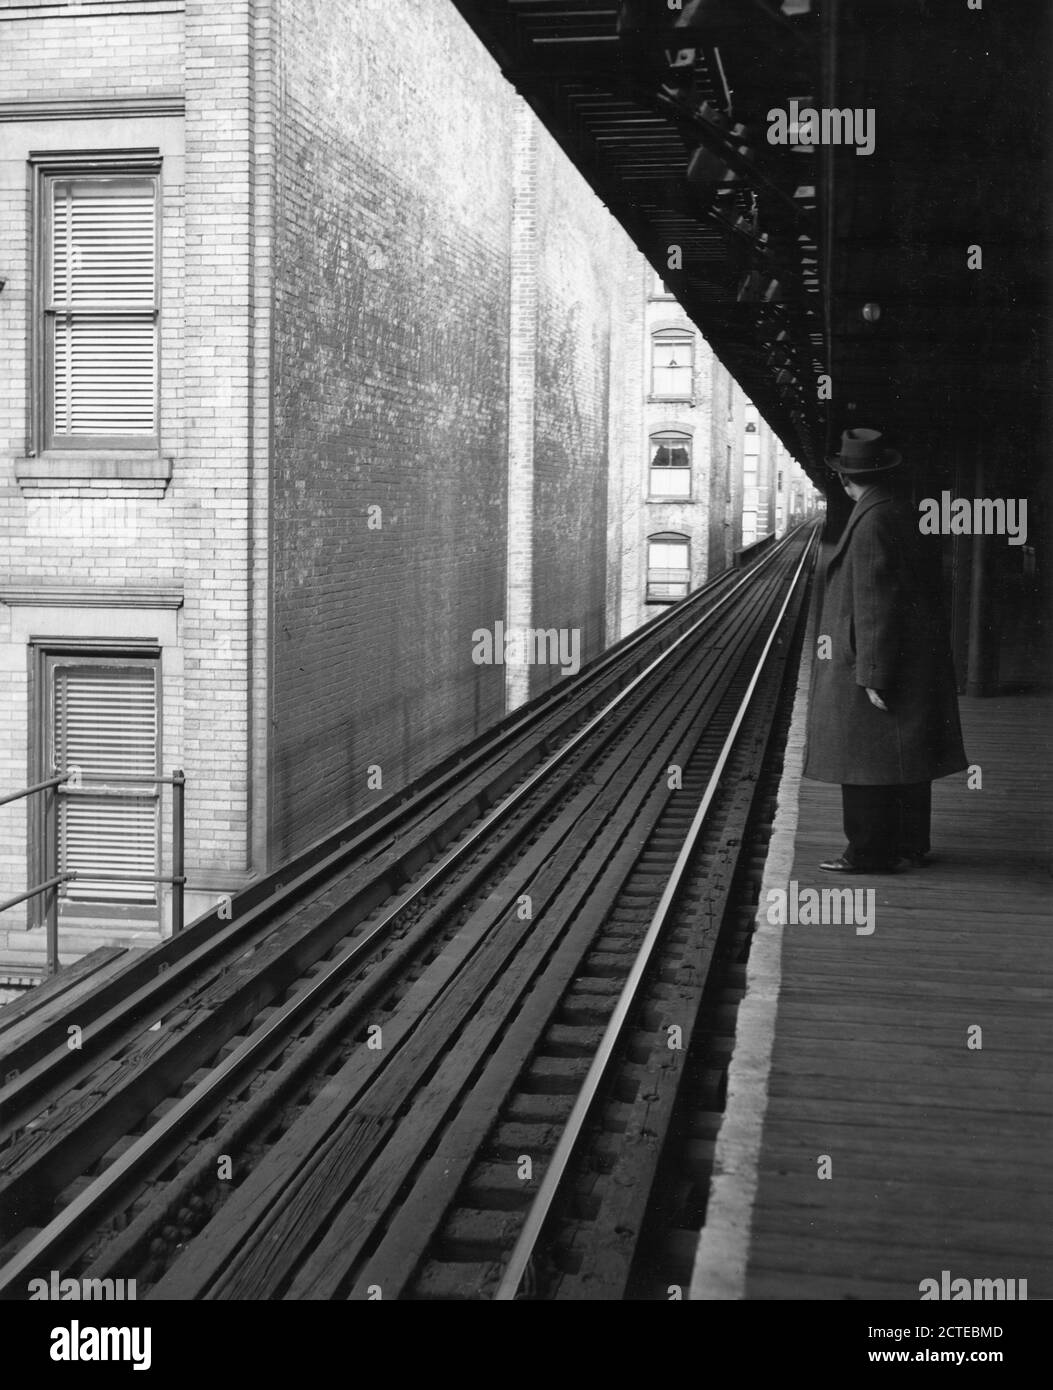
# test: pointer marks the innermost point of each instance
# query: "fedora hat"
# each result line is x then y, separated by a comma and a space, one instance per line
862, 452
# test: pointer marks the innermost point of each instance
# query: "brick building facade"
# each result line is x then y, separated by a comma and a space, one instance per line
309, 383
696, 472
681, 479
323, 360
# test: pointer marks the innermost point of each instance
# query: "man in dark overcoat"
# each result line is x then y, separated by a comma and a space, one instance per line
883, 716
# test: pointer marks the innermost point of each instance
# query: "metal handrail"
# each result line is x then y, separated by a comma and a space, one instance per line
28, 791
55, 784
40, 888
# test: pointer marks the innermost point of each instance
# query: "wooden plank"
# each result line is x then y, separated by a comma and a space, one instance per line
887, 1228
961, 1086
789, 1286
911, 1261
42, 1001
989, 1201
801, 1010
956, 1154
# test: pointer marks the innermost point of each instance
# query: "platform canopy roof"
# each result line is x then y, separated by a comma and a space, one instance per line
881, 264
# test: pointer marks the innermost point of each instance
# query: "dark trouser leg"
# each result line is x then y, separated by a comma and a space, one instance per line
915, 813
872, 825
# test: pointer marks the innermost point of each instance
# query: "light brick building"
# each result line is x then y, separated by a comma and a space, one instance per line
681, 480
696, 473
307, 336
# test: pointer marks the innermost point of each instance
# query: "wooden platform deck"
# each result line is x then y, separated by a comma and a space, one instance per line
856, 1047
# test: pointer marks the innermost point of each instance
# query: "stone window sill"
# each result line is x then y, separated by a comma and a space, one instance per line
91, 596
58, 471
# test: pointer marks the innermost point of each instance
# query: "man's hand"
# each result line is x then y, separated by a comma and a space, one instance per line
874, 696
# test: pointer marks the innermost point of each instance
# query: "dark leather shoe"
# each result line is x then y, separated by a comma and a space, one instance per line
841, 865
918, 861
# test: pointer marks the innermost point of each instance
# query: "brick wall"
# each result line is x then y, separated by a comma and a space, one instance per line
412, 363
727, 421
390, 392
80, 533
60, 51
629, 560
215, 475
522, 393
105, 76
736, 429
579, 300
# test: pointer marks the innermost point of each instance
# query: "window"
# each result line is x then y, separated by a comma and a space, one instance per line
752, 440
99, 303
101, 715
672, 364
670, 464
751, 446
668, 568
659, 289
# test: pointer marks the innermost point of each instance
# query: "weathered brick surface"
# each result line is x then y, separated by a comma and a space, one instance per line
53, 51
580, 304
195, 533
393, 322
522, 397
215, 469
727, 423
390, 391
79, 533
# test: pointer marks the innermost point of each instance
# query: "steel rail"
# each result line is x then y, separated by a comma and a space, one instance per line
549, 1189
100, 1193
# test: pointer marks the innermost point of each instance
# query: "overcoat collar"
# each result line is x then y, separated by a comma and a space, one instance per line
874, 498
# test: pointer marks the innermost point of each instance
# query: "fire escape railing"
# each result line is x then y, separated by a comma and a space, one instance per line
50, 788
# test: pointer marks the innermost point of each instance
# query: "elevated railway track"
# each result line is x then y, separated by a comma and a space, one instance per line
444, 1053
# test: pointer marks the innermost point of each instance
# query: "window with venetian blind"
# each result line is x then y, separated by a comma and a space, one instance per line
100, 304
104, 721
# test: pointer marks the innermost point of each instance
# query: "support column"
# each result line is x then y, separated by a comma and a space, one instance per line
216, 459
961, 588
632, 560
982, 667
618, 436
522, 369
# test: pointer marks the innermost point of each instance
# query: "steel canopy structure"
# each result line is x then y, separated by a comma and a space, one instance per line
839, 284
664, 114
